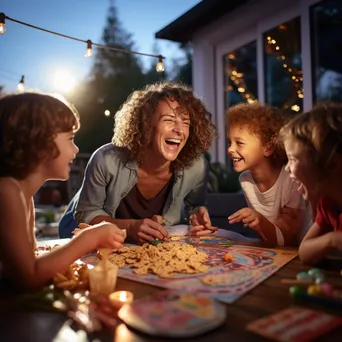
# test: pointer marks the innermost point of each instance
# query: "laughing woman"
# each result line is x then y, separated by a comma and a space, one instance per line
153, 166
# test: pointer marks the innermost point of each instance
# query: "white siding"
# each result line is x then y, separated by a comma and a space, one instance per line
234, 30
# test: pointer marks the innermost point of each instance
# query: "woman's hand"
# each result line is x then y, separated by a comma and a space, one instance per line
147, 230
200, 223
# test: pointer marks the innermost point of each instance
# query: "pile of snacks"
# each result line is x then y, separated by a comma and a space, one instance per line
76, 277
164, 260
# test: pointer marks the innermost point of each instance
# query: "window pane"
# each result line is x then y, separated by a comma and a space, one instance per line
240, 77
283, 66
326, 23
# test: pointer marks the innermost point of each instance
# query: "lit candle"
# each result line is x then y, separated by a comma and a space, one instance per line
119, 298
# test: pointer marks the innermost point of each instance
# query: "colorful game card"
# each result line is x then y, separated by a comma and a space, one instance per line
295, 324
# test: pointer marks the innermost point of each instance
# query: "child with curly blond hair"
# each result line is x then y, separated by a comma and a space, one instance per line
153, 166
276, 210
313, 143
37, 144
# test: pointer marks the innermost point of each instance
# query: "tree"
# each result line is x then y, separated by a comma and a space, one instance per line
113, 77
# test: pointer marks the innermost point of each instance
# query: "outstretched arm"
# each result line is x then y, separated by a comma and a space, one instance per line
283, 231
317, 244
17, 250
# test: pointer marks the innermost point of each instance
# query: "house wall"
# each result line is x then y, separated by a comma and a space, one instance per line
244, 25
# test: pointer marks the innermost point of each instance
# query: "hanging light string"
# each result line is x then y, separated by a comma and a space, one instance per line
237, 80
295, 74
160, 66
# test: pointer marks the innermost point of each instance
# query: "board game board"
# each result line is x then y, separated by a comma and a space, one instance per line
225, 281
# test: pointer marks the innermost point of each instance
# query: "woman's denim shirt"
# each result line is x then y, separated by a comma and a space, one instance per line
109, 177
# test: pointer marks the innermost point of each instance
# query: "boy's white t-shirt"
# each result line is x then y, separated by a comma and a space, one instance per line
282, 194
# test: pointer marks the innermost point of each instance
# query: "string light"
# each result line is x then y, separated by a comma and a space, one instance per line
293, 73
238, 81
21, 84
159, 67
89, 50
2, 23
106, 112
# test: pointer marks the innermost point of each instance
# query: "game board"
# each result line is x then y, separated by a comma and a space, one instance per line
250, 266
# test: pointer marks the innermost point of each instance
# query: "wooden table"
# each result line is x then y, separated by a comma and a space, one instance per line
267, 298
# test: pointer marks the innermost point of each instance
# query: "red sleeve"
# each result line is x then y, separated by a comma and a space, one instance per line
322, 218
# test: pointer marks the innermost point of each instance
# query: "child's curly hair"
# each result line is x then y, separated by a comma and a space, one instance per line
133, 129
29, 123
320, 133
263, 121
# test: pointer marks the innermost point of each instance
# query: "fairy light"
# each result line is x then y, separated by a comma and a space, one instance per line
292, 72
2, 23
238, 81
89, 50
160, 66
295, 108
106, 112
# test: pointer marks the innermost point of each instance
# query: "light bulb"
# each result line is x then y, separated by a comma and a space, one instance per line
21, 84
2, 23
89, 50
160, 65
295, 108
107, 112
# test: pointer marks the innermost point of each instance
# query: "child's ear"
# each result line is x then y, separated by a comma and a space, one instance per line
269, 149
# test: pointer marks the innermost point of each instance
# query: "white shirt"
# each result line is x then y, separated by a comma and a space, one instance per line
282, 194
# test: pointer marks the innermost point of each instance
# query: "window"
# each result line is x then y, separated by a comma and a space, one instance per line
283, 66
326, 24
240, 77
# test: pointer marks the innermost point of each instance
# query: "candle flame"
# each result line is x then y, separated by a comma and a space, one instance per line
123, 296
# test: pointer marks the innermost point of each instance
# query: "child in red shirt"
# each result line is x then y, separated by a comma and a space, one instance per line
313, 143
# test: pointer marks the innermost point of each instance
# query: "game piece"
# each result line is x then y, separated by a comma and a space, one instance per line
327, 288
228, 257
295, 324
173, 314
314, 290
156, 242
304, 276
315, 272
295, 291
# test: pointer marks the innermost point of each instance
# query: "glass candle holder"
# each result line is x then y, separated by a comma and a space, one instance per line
119, 298
102, 279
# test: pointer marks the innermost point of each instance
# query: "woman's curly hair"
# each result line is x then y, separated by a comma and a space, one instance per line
133, 128
263, 121
29, 123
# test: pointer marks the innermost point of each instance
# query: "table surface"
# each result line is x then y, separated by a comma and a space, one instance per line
269, 297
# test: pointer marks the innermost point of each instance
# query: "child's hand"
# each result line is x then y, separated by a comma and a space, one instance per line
247, 216
106, 235
200, 223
